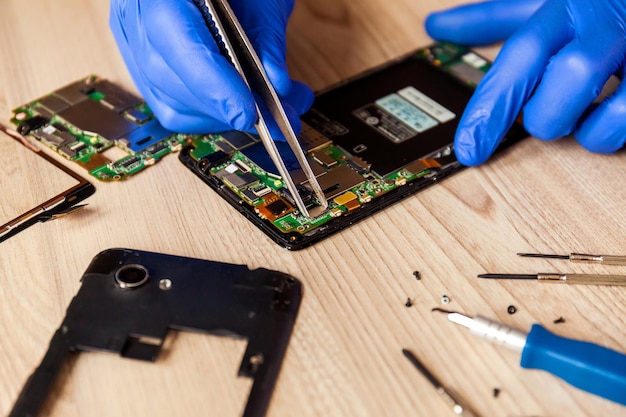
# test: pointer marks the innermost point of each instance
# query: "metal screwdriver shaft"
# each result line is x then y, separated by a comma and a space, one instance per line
558, 278
458, 406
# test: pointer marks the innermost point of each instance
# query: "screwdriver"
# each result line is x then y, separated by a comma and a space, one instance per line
458, 406
560, 278
589, 367
581, 257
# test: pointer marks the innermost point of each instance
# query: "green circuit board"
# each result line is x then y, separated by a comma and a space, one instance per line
82, 121
364, 139
350, 181
266, 191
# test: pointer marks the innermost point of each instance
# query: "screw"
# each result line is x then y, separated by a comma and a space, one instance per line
256, 361
165, 284
511, 309
445, 299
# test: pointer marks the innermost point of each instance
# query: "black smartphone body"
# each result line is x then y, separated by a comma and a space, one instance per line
372, 140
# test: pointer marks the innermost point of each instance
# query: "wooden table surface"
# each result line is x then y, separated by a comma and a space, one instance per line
344, 358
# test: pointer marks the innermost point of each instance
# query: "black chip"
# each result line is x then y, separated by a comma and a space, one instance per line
146, 135
238, 139
51, 138
158, 147
42, 111
261, 190
240, 181
249, 195
223, 145
67, 152
115, 97
73, 93
277, 208
248, 178
137, 116
26, 126
92, 116
128, 162
66, 136
211, 160
78, 146
305, 194
53, 104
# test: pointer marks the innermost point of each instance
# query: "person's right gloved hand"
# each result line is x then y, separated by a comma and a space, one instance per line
552, 68
177, 67
481, 23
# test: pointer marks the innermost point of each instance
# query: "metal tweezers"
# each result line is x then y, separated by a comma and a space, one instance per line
235, 45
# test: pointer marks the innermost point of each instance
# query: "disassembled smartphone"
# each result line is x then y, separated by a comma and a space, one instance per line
371, 141
85, 119
34, 187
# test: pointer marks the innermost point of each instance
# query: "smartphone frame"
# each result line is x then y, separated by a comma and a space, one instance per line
58, 205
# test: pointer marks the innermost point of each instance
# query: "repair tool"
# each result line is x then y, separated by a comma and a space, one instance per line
458, 406
592, 368
581, 257
236, 47
555, 277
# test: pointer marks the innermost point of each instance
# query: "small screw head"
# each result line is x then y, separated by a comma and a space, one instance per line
256, 361
445, 299
165, 284
511, 309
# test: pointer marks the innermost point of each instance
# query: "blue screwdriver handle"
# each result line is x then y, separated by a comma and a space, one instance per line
587, 366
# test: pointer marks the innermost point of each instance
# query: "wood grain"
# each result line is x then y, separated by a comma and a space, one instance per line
345, 356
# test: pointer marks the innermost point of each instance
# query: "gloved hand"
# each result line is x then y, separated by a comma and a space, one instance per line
552, 68
177, 67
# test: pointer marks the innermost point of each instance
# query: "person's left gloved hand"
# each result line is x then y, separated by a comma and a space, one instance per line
552, 68
176, 65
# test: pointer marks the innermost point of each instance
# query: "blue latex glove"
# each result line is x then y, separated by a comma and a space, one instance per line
178, 69
481, 23
552, 68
